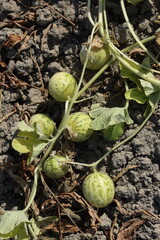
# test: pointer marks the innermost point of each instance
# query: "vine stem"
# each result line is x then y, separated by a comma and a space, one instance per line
124, 141
89, 13
93, 79
134, 35
127, 62
61, 128
31, 231
69, 106
100, 17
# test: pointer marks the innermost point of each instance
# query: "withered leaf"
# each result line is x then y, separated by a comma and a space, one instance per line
11, 41
158, 37
66, 227
127, 230
94, 219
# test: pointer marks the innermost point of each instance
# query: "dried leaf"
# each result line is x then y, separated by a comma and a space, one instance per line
137, 51
124, 171
49, 203
158, 37
11, 41
94, 217
120, 209
147, 214
66, 227
24, 170
127, 230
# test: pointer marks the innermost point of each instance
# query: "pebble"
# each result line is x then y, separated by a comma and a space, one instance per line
123, 34
145, 26
157, 149
44, 16
105, 222
24, 68
126, 192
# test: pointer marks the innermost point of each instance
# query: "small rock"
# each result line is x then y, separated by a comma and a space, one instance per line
57, 33
156, 231
99, 235
145, 26
54, 67
75, 236
134, 177
24, 68
44, 16
4, 145
146, 163
105, 221
10, 6
123, 34
156, 177
140, 147
118, 159
157, 149
126, 192
141, 192
35, 95
70, 49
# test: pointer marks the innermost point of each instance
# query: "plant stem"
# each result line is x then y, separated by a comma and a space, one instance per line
61, 128
34, 189
124, 141
89, 12
30, 230
127, 62
87, 85
134, 35
94, 78
131, 136
100, 17
107, 37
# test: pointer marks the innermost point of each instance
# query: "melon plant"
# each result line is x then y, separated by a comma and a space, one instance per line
62, 86
44, 123
98, 55
79, 127
98, 189
56, 167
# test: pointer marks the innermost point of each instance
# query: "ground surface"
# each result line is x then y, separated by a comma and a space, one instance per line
39, 39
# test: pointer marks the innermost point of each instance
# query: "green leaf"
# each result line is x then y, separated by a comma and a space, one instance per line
126, 73
28, 142
22, 126
10, 223
152, 100
134, 2
22, 233
104, 117
114, 132
24, 141
128, 120
37, 148
45, 221
35, 227
41, 135
148, 87
136, 94
146, 62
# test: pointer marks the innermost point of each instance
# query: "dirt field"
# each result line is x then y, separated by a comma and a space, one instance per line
37, 40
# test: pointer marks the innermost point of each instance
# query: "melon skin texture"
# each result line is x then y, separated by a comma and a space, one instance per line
55, 167
44, 123
62, 86
98, 189
97, 57
78, 126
